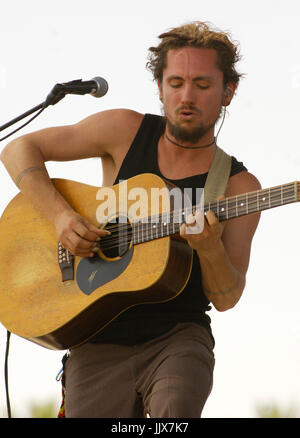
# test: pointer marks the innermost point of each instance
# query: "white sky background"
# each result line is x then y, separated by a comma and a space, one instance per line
42, 43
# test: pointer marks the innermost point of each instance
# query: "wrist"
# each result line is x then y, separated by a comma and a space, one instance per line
213, 253
62, 210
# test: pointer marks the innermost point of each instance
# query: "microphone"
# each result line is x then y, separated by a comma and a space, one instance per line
97, 87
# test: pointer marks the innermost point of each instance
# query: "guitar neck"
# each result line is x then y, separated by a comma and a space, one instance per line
229, 208
254, 202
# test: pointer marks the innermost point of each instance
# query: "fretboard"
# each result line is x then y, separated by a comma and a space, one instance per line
228, 208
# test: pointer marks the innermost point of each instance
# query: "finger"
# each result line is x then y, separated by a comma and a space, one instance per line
77, 248
199, 216
98, 231
89, 232
182, 230
80, 246
211, 218
196, 225
190, 219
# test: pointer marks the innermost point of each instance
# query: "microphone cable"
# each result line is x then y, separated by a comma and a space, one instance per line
22, 126
6, 375
59, 91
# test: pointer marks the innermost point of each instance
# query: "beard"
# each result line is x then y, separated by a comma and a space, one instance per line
185, 134
189, 134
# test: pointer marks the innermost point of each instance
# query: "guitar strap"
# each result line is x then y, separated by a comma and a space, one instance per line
218, 175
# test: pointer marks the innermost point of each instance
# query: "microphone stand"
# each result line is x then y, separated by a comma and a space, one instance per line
57, 93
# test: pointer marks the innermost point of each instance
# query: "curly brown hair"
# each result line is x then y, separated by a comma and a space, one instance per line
197, 34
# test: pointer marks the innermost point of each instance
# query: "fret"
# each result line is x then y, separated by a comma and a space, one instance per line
151, 229
173, 223
155, 230
144, 232
147, 231
266, 200
136, 232
168, 225
242, 205
148, 235
175, 215
141, 231
184, 214
133, 234
134, 240
164, 226
221, 209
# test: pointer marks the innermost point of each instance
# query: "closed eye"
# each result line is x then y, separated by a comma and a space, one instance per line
176, 85
203, 87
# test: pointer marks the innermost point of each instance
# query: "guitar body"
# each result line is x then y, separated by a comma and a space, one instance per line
37, 304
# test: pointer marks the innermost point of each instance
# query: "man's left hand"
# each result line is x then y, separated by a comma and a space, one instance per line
202, 231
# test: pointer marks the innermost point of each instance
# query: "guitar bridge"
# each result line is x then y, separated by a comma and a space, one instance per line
65, 262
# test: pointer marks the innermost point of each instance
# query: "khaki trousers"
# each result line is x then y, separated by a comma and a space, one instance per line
168, 377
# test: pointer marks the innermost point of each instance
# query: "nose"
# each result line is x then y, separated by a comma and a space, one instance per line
188, 95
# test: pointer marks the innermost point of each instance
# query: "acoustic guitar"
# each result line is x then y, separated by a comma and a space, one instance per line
58, 301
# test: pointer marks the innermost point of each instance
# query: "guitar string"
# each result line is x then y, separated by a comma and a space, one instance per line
107, 241
230, 203
171, 214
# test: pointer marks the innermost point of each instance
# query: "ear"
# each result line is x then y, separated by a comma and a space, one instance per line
159, 85
228, 93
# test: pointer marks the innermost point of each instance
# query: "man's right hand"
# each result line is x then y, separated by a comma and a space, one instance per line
77, 234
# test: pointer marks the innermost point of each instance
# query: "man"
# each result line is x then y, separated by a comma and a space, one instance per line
156, 359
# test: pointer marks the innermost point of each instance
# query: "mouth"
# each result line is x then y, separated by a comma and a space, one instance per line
187, 113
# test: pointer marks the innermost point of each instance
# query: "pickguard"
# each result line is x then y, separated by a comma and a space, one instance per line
95, 272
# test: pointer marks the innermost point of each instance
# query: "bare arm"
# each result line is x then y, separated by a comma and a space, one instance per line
105, 133
224, 249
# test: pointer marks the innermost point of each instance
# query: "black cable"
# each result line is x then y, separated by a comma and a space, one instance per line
22, 126
57, 93
6, 374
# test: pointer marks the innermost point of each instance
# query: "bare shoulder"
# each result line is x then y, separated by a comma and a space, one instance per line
115, 118
242, 182
116, 127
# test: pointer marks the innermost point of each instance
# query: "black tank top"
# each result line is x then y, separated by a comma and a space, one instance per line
144, 322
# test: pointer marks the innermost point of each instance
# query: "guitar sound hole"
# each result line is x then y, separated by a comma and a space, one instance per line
118, 242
